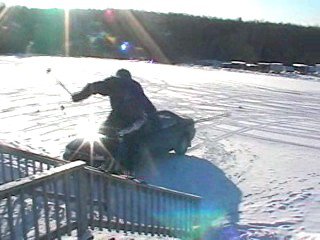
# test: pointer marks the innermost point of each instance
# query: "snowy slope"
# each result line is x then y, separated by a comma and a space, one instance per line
256, 168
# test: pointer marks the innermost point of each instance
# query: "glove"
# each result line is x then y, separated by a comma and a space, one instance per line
83, 94
77, 97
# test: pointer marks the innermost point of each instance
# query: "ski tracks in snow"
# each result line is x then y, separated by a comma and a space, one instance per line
271, 117
266, 144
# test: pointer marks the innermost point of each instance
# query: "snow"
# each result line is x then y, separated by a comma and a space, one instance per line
256, 167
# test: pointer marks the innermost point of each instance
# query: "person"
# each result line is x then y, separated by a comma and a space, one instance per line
132, 115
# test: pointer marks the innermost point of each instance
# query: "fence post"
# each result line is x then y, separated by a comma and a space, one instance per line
196, 224
83, 193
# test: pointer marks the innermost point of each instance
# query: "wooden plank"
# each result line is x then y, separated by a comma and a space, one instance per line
3, 169
82, 191
91, 199
46, 209
1, 223
34, 166
158, 211
67, 196
10, 218
139, 205
41, 166
125, 206
132, 206
107, 194
26, 162
23, 215
117, 208
153, 211
35, 213
11, 168
56, 208
100, 200
19, 167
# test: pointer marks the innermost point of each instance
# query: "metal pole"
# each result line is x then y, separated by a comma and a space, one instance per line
59, 82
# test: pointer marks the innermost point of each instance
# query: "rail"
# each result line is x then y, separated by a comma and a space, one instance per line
125, 205
50, 198
46, 205
16, 163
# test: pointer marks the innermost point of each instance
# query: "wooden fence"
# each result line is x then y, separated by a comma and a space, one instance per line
46, 205
16, 163
125, 205
52, 198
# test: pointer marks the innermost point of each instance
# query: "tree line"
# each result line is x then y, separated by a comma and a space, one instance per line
181, 38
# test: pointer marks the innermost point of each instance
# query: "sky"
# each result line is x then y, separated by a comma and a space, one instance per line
301, 12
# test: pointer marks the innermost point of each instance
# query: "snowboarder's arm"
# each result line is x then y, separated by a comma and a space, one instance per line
101, 87
83, 94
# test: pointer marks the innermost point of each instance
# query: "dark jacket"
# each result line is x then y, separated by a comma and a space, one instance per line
127, 99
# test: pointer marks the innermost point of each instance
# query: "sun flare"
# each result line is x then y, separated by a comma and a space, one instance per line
87, 129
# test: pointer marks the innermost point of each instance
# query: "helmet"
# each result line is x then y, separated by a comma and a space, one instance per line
123, 73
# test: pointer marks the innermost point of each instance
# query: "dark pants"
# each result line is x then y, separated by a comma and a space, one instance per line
131, 144
126, 148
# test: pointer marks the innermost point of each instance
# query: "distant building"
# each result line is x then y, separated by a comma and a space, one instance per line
252, 67
234, 65
209, 62
277, 68
226, 64
317, 66
264, 67
301, 68
312, 70
289, 69
238, 64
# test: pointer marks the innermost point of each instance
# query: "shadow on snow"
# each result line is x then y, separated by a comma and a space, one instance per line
220, 196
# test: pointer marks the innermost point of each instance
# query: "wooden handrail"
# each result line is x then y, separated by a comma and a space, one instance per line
25, 154
147, 186
16, 186
138, 216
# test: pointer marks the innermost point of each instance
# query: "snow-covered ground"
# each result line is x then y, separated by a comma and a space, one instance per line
256, 167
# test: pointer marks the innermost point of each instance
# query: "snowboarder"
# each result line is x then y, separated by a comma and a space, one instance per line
132, 114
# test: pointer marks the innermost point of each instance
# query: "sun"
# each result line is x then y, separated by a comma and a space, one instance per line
87, 129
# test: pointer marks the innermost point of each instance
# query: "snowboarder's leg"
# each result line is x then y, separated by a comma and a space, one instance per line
127, 152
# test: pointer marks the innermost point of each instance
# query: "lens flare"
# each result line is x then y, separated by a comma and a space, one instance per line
124, 46
210, 222
109, 15
87, 130
3, 12
91, 141
144, 37
66, 32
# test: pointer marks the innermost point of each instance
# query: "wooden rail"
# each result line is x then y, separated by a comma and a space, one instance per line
16, 163
128, 206
48, 198
29, 212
